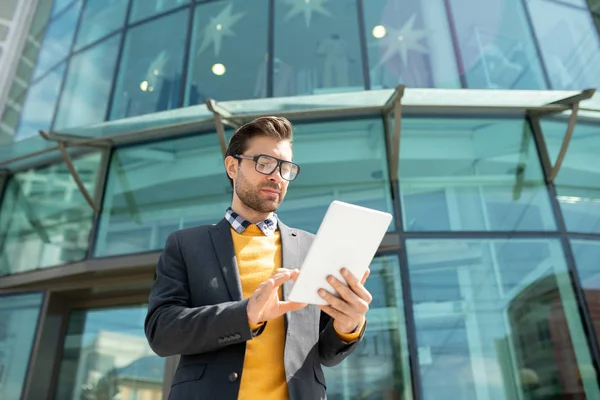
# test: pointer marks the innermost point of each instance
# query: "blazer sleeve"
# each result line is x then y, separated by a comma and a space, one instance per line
172, 327
332, 349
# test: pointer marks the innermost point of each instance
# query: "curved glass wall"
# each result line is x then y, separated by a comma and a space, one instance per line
241, 49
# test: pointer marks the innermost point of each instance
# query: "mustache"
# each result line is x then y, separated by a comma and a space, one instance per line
271, 186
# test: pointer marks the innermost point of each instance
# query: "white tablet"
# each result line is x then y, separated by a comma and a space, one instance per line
349, 236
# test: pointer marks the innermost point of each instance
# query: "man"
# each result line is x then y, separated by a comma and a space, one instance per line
219, 295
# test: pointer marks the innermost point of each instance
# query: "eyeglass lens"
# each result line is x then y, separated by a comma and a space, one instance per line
266, 165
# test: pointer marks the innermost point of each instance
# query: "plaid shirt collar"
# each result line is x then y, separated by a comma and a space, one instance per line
239, 223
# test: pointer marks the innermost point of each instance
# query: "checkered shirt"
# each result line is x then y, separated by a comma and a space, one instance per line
239, 223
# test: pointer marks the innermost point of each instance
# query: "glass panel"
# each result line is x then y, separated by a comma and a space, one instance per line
578, 181
89, 78
39, 107
497, 319
99, 18
465, 174
379, 368
587, 254
356, 172
18, 324
57, 42
106, 356
150, 72
155, 189
146, 8
409, 42
317, 48
44, 218
496, 45
569, 43
226, 33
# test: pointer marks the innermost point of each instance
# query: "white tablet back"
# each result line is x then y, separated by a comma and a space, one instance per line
348, 237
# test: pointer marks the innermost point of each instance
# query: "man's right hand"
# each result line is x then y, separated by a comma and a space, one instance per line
265, 305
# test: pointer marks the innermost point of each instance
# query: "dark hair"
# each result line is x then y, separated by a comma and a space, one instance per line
276, 127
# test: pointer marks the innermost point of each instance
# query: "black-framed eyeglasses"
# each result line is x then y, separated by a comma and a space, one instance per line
266, 165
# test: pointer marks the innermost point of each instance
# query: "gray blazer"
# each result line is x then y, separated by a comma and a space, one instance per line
196, 310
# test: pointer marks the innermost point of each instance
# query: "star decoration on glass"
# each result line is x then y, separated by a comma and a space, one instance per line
402, 41
307, 7
219, 27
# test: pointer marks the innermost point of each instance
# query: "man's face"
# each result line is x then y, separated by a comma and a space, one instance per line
263, 193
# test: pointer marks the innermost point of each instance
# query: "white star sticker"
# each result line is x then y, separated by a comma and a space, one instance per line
307, 7
219, 27
401, 41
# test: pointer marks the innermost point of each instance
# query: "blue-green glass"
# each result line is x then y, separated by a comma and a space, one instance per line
89, 78
587, 254
38, 108
496, 45
142, 9
409, 42
379, 367
151, 66
578, 180
18, 324
98, 19
497, 319
228, 59
317, 48
569, 44
155, 189
58, 39
471, 174
106, 356
344, 161
44, 218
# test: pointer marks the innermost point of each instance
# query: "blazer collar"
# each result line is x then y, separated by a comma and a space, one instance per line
223, 245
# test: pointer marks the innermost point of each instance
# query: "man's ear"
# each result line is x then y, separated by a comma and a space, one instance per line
231, 166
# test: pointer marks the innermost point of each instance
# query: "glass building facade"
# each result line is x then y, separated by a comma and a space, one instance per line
474, 122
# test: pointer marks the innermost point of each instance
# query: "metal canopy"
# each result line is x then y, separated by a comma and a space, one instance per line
215, 116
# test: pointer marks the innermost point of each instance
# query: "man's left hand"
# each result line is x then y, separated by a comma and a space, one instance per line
348, 311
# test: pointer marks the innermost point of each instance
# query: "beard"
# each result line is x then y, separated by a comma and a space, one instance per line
251, 196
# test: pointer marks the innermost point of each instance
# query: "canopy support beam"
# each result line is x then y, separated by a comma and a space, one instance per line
222, 117
566, 142
62, 147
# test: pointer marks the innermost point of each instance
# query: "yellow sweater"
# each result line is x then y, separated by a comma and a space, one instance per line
263, 377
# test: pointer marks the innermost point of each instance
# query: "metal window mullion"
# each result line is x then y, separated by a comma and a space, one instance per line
100, 192
76, 177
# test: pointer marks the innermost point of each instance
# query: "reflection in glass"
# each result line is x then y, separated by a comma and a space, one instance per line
228, 53
106, 356
356, 172
18, 324
379, 368
98, 19
44, 218
155, 189
569, 43
58, 39
409, 42
85, 96
150, 71
317, 48
497, 319
38, 108
587, 254
578, 180
146, 8
472, 175
496, 45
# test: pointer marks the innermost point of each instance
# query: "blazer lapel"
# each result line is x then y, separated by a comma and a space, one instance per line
289, 250
223, 244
